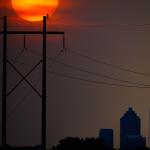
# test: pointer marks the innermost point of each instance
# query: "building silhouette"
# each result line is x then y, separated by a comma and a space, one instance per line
107, 137
130, 131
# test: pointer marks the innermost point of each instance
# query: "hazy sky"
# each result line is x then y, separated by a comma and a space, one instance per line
107, 30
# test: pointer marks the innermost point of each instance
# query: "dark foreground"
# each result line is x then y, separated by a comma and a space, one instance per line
74, 143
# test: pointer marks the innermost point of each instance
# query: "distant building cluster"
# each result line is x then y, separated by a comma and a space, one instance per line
130, 132
130, 138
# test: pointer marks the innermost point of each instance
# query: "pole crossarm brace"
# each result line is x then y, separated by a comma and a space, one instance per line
24, 78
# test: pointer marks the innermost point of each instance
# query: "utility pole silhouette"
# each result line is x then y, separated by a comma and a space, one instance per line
44, 87
42, 95
4, 94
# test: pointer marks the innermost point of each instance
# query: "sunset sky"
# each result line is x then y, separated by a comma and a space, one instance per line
117, 33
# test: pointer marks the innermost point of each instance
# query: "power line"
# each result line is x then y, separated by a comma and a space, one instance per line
73, 78
29, 92
108, 64
96, 82
90, 26
100, 75
79, 69
130, 27
102, 62
95, 74
141, 86
122, 26
135, 27
103, 25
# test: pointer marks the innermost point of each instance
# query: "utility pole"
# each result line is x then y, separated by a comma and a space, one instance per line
42, 94
4, 88
44, 87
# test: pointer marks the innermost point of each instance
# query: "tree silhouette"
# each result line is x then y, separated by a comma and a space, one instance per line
75, 143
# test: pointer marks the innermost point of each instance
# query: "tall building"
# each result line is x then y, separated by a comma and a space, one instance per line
107, 137
130, 131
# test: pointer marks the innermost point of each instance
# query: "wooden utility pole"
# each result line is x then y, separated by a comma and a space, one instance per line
44, 87
4, 88
42, 94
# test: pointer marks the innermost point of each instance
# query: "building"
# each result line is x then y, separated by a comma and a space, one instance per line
130, 131
107, 137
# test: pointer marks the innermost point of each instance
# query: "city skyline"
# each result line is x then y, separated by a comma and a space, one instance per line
130, 132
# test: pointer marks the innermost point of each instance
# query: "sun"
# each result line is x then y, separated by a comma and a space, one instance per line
34, 10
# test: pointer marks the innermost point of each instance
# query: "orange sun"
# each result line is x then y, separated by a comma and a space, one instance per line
34, 10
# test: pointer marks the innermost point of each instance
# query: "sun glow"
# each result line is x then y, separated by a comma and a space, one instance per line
34, 10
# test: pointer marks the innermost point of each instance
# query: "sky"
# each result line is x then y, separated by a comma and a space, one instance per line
111, 31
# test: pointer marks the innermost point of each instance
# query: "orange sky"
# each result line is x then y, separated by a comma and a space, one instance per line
34, 10
6, 9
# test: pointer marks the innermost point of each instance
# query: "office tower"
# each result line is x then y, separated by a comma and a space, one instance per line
107, 137
130, 131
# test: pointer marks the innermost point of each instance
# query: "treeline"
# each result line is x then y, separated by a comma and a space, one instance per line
75, 143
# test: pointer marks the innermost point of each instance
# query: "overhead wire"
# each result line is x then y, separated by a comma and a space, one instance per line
93, 73
100, 75
134, 27
83, 70
94, 81
102, 25
128, 27
107, 64
101, 62
73, 78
